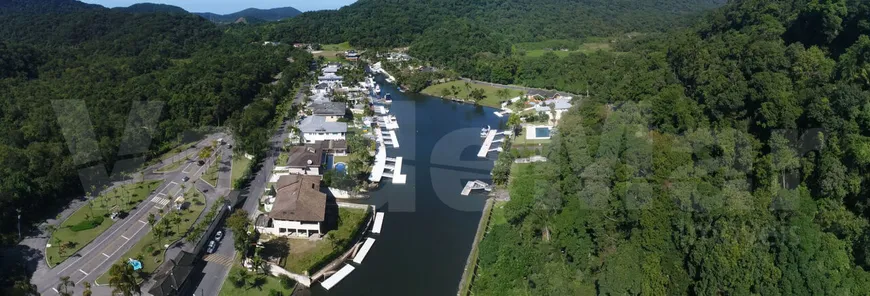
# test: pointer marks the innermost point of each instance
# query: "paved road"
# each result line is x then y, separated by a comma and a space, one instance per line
96, 258
215, 273
215, 268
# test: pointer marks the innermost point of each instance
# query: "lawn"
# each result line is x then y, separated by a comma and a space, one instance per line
492, 99
336, 159
240, 165
521, 140
307, 256
253, 288
211, 174
149, 250
125, 198
337, 47
587, 46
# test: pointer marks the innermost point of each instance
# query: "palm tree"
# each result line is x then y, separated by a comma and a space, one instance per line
87, 291
123, 280
64, 288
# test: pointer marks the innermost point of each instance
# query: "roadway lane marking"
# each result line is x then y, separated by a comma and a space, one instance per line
86, 274
143, 222
55, 290
127, 238
104, 254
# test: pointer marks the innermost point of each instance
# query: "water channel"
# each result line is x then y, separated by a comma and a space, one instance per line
429, 227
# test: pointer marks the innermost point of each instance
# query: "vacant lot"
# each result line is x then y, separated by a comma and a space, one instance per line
240, 165
254, 286
92, 219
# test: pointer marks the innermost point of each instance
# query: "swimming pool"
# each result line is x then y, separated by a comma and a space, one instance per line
341, 167
542, 132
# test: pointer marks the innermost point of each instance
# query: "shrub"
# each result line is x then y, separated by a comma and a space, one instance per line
87, 224
287, 282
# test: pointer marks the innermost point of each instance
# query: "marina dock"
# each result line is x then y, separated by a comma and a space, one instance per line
337, 277
358, 259
487, 143
475, 185
379, 222
387, 167
388, 122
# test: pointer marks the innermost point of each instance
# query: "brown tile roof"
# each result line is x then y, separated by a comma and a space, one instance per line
298, 198
304, 156
329, 145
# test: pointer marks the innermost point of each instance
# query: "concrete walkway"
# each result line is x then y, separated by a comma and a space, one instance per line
279, 271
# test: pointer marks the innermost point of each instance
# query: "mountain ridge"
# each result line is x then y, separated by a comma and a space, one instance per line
272, 14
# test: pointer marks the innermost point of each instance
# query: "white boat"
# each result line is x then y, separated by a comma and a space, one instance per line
377, 89
484, 131
388, 99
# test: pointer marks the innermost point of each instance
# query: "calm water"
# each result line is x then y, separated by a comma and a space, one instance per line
428, 228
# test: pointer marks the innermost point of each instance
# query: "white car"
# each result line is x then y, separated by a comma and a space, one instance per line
212, 245
219, 235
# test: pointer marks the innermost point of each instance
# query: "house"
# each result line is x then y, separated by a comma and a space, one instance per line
317, 128
334, 147
351, 55
329, 78
332, 111
298, 208
304, 160
171, 278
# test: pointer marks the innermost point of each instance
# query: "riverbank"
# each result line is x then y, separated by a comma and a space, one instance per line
460, 91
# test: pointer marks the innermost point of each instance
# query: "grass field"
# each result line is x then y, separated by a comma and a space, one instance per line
125, 198
150, 250
305, 255
240, 165
492, 99
253, 288
337, 47
522, 141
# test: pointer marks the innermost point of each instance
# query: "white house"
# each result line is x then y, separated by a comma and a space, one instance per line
298, 208
317, 128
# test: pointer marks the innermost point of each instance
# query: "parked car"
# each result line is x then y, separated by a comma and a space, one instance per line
212, 245
219, 235
185, 179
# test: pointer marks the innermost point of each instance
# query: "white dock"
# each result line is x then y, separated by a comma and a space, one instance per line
388, 122
386, 137
387, 167
381, 110
379, 222
366, 247
475, 185
487, 142
337, 277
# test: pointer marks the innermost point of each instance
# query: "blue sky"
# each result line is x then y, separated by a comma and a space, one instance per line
230, 6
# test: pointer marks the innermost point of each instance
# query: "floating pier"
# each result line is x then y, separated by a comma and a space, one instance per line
388, 122
475, 185
366, 247
387, 137
488, 141
387, 167
337, 277
381, 110
379, 222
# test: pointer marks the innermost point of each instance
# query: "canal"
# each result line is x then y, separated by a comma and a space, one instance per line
429, 227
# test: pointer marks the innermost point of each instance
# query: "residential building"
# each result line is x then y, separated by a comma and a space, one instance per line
332, 111
298, 208
317, 128
334, 147
303, 160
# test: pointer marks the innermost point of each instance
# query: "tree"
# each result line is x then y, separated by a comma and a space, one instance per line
240, 278
477, 94
238, 221
65, 287
87, 291
123, 280
445, 92
24, 288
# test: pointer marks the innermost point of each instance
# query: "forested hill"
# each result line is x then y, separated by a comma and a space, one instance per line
273, 14
152, 8
730, 159
376, 23
105, 61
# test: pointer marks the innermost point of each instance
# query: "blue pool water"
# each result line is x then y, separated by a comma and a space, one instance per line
341, 167
542, 132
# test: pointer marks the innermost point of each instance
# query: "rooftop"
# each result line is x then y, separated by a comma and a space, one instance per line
329, 109
298, 198
301, 156
318, 124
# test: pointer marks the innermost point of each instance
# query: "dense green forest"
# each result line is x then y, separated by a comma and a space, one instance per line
390, 23
56, 52
728, 159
